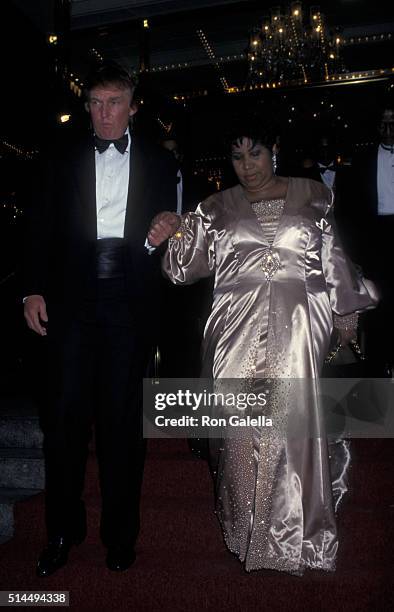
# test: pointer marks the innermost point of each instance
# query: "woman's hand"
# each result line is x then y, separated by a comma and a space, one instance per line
345, 336
163, 226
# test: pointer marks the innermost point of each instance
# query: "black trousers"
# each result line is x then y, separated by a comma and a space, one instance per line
378, 323
379, 333
97, 360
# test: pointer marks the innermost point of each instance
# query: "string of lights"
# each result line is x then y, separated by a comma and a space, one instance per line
18, 150
13, 211
349, 78
213, 59
236, 57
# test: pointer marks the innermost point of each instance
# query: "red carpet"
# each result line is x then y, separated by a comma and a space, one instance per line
182, 563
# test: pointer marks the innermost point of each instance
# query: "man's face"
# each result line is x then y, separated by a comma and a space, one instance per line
325, 151
171, 145
386, 128
110, 108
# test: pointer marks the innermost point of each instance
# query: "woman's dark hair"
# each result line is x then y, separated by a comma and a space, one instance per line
256, 130
108, 73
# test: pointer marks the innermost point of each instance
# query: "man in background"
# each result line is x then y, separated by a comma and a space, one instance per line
373, 226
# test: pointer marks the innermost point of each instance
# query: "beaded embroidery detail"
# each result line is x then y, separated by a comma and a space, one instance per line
179, 233
269, 211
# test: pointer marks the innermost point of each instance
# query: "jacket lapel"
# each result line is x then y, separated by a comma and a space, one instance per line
138, 210
85, 178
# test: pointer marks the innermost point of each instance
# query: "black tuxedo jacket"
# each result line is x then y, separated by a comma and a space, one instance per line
341, 177
344, 205
61, 230
365, 178
375, 232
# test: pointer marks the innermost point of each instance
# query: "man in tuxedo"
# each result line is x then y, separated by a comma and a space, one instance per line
323, 167
90, 286
185, 308
373, 224
192, 187
170, 144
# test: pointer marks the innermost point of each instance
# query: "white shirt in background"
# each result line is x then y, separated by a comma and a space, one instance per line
385, 181
328, 177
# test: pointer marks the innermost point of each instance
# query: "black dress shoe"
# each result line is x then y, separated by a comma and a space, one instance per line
55, 555
119, 559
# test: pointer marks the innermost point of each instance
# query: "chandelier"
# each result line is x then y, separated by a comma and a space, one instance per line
291, 47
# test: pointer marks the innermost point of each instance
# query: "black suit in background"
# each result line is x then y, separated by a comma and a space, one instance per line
185, 309
100, 334
373, 237
343, 203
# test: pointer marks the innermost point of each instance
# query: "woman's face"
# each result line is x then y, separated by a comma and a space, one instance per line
252, 164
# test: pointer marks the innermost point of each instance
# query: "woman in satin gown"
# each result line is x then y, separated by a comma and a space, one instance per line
282, 281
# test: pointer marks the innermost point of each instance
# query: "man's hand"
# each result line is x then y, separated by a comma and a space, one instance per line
163, 226
35, 312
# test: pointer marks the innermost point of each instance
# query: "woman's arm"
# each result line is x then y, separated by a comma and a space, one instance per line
190, 252
348, 292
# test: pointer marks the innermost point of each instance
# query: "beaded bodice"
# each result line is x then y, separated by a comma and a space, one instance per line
269, 212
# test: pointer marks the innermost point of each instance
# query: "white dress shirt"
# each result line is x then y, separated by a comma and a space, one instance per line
112, 184
328, 177
385, 181
179, 193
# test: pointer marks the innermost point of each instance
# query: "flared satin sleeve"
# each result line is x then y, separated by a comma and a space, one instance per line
348, 291
191, 253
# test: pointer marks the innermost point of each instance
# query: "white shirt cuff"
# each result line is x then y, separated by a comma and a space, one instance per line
150, 248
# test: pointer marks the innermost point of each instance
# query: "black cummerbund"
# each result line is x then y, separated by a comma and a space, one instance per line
110, 258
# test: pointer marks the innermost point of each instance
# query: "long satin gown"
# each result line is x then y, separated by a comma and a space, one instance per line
280, 274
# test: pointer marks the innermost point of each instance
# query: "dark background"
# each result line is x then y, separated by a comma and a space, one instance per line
179, 88
35, 91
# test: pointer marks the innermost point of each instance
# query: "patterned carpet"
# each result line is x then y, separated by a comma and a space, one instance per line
182, 563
